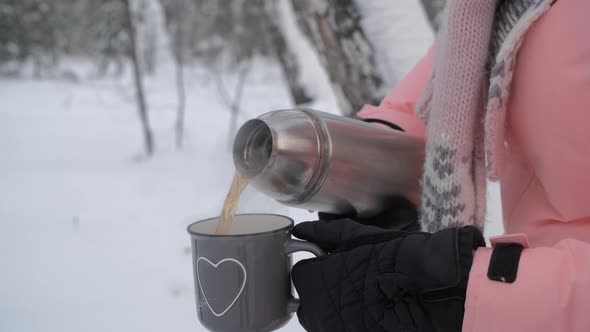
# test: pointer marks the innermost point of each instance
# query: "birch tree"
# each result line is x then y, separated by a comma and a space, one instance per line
334, 28
285, 55
178, 14
137, 76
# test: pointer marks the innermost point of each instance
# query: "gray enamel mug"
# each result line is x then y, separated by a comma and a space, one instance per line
242, 280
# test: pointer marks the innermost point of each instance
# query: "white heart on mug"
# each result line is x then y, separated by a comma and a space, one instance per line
216, 265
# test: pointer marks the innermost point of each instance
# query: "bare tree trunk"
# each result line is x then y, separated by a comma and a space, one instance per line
434, 9
175, 14
180, 88
141, 104
149, 50
232, 102
236, 102
333, 27
285, 56
178, 52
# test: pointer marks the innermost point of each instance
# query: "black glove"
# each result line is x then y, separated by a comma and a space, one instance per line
401, 215
377, 280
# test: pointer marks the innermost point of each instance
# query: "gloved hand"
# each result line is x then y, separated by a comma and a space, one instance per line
378, 280
401, 215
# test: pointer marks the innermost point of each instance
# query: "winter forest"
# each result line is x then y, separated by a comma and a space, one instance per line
116, 121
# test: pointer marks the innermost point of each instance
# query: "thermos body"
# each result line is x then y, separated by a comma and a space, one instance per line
328, 163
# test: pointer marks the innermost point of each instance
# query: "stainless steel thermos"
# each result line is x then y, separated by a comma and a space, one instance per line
328, 163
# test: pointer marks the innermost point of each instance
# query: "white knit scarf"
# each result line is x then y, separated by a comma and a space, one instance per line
464, 108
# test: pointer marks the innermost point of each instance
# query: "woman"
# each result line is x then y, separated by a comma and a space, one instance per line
507, 88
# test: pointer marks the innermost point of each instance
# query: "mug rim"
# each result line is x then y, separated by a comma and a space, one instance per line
284, 228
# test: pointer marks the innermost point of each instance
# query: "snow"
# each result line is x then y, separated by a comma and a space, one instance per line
399, 32
93, 234
493, 226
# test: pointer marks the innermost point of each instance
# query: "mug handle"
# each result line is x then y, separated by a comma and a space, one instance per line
292, 246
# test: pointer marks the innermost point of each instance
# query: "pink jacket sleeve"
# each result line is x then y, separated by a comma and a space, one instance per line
551, 292
398, 107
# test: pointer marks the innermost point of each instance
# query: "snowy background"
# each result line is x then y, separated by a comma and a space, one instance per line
93, 235
92, 232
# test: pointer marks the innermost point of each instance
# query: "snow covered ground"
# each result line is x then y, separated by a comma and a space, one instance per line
93, 235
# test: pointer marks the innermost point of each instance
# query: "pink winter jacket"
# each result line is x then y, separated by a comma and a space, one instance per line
545, 184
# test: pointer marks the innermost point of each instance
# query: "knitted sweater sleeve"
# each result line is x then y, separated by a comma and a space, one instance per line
398, 107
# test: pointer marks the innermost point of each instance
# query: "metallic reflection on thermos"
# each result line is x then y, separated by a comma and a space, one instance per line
328, 163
